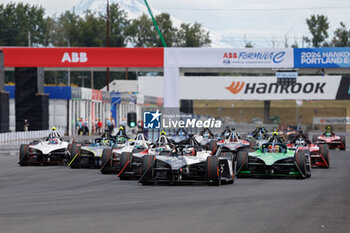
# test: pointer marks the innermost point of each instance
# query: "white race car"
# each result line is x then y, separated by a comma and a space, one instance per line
112, 157
53, 150
189, 164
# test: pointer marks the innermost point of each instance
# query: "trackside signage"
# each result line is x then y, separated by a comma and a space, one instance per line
83, 57
322, 57
232, 58
258, 88
331, 121
246, 88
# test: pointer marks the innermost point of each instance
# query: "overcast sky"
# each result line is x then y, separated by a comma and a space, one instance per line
264, 23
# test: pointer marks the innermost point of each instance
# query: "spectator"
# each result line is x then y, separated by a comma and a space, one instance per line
26, 125
113, 123
99, 125
140, 126
96, 126
109, 125
123, 123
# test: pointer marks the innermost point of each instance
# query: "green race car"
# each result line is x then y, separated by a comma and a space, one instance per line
274, 159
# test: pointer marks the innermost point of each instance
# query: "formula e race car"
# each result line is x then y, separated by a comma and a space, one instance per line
113, 159
131, 163
331, 139
50, 150
207, 139
260, 136
319, 154
275, 159
179, 137
88, 155
233, 141
189, 164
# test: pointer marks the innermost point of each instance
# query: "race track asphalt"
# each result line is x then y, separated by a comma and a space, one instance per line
60, 199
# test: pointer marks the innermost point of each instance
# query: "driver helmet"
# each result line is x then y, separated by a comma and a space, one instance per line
139, 146
259, 136
181, 133
190, 151
329, 129
106, 142
300, 142
206, 134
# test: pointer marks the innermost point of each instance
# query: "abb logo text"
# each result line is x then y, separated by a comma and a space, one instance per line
230, 55
74, 57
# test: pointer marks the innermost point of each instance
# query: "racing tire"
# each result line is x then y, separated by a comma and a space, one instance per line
342, 141
148, 162
24, 155
212, 146
126, 164
300, 160
242, 160
324, 152
75, 151
213, 172
308, 163
106, 160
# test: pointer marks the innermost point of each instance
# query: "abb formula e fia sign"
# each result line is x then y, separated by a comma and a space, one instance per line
230, 58
83, 57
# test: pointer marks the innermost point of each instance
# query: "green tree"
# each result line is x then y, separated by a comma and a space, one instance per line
318, 26
118, 22
141, 32
17, 21
341, 36
167, 29
192, 36
67, 31
92, 30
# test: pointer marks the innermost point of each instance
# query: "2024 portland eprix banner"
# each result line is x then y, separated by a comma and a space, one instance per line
322, 57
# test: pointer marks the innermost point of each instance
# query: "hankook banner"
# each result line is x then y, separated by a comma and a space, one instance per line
247, 88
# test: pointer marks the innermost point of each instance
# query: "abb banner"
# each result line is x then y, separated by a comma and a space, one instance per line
246, 88
83, 57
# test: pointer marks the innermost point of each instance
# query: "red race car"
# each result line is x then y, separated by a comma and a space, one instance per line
331, 139
319, 153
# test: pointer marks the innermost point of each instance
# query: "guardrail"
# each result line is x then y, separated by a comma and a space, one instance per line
19, 136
